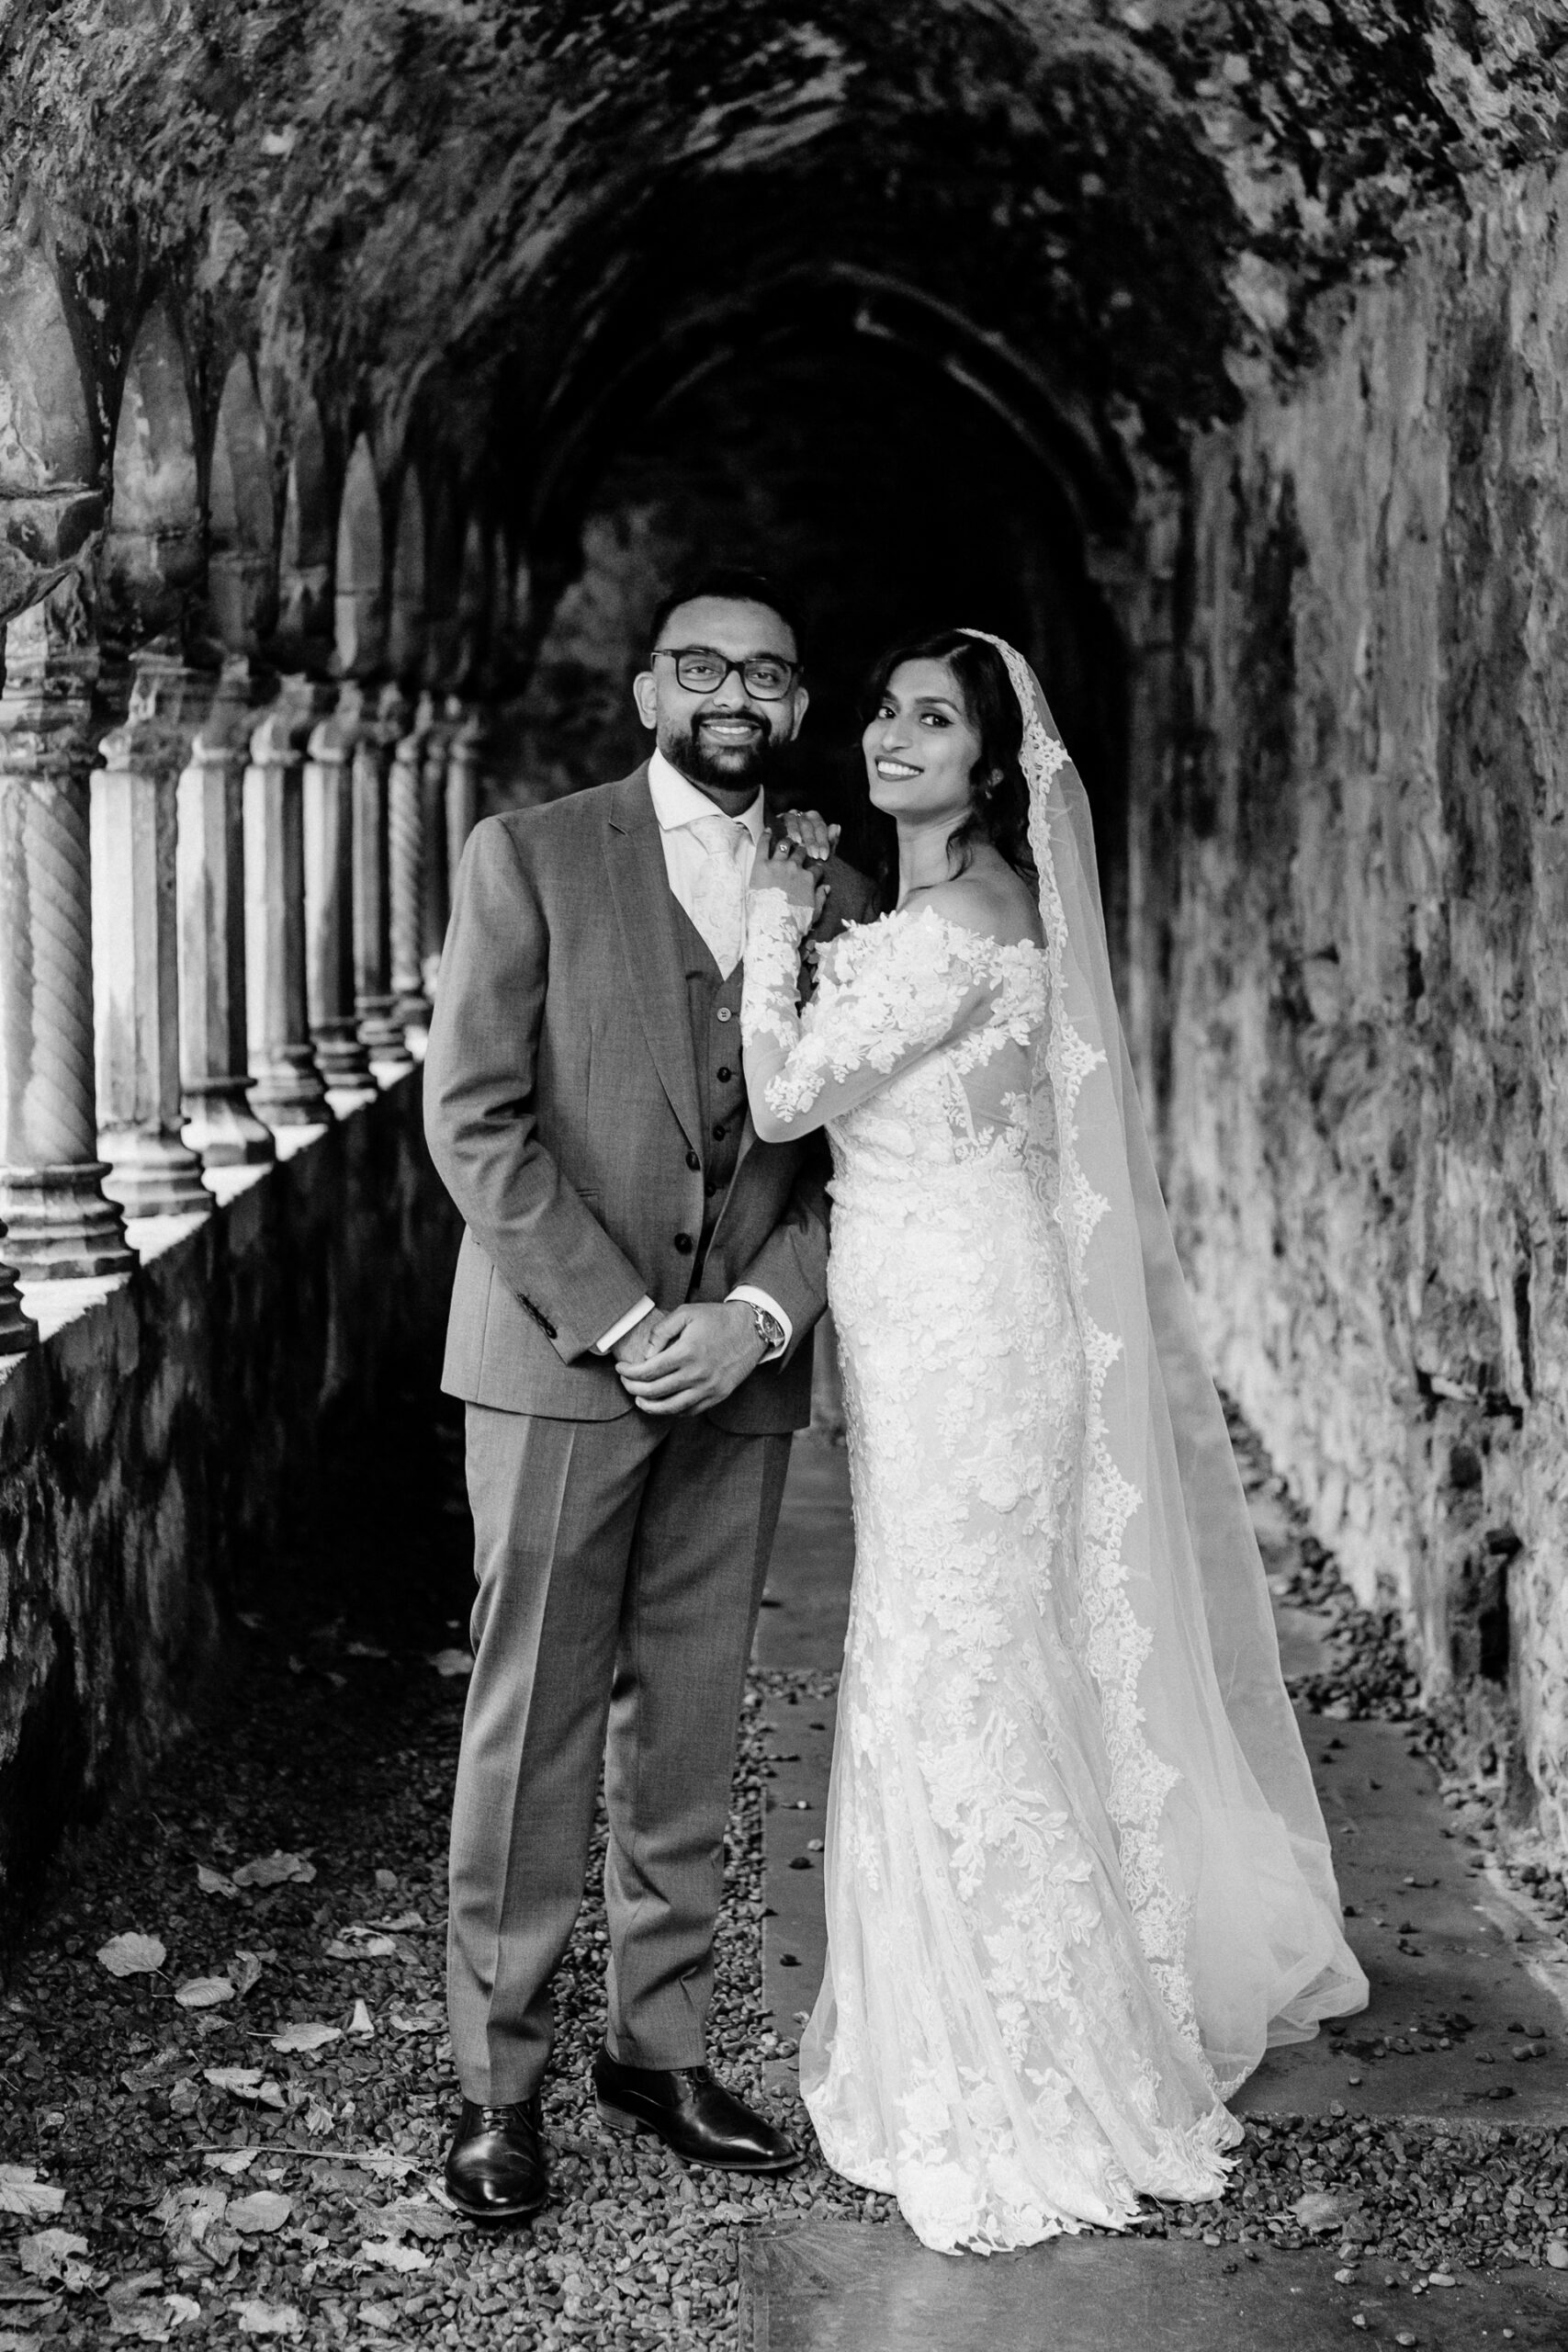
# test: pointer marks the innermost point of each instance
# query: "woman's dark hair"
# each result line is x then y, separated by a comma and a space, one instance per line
998, 792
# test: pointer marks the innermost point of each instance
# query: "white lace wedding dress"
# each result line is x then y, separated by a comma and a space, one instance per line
1012, 2033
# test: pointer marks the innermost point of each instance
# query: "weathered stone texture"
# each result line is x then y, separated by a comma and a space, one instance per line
153, 1445
1368, 1122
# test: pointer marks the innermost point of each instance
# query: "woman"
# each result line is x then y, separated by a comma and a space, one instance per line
1077, 1875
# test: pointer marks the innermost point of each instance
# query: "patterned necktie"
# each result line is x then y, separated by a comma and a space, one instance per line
718, 901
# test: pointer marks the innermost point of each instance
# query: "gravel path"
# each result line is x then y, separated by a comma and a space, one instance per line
295, 2197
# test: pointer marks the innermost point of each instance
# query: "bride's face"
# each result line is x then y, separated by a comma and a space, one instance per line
921, 746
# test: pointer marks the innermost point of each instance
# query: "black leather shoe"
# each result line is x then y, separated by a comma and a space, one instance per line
495, 2169
691, 2114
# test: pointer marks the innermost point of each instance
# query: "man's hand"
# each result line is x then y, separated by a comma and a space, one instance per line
633, 1346
699, 1354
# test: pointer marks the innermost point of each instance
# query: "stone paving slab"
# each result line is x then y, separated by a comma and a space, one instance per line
840, 2287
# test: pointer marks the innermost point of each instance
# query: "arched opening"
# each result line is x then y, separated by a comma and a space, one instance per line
46, 433
406, 633
305, 552
242, 576
359, 602
887, 491
152, 553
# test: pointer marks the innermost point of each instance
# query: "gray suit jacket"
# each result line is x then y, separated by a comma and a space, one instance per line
560, 1106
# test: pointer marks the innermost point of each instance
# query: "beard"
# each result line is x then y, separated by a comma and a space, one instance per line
730, 766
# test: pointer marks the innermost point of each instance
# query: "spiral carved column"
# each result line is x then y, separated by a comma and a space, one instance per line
287, 1089
210, 881
374, 999
341, 1054
435, 891
136, 944
60, 1222
406, 843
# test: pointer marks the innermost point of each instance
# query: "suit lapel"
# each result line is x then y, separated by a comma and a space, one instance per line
645, 909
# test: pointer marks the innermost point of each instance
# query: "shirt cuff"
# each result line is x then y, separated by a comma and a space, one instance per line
750, 1297
618, 1330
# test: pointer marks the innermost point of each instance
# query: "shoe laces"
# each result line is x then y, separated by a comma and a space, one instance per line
502, 2119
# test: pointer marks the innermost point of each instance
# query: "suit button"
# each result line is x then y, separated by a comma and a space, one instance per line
692, 1163
724, 1014
718, 1134
683, 1244
711, 1187
724, 1074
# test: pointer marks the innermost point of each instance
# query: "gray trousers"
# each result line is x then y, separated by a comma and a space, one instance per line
620, 1568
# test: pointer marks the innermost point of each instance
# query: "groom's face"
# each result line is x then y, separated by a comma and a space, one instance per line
723, 738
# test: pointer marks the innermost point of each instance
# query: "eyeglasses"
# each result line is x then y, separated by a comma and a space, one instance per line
767, 677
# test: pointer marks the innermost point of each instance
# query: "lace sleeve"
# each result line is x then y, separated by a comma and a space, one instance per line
888, 992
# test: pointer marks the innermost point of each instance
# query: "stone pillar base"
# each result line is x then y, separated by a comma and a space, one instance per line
289, 1093
17, 1330
382, 1034
223, 1130
343, 1060
61, 1227
153, 1174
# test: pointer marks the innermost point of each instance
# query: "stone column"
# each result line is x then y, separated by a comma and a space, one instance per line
435, 891
52, 1197
463, 758
209, 869
135, 944
17, 1330
374, 999
406, 841
286, 1088
343, 1058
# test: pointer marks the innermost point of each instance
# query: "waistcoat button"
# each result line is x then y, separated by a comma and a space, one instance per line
724, 1014
692, 1163
683, 1244
718, 1134
725, 1072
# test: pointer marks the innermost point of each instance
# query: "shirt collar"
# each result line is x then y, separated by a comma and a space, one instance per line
677, 801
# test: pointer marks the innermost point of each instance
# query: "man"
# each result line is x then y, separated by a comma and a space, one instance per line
630, 1329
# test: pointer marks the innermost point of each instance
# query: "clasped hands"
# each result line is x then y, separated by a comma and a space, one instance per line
791, 857
689, 1359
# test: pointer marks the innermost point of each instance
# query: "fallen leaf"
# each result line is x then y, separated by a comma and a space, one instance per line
22, 2192
318, 2118
246, 2082
245, 1969
132, 1955
360, 2023
276, 1868
382, 2164
204, 1992
48, 2256
387, 2254
184, 2097
258, 2318
229, 2160
1317, 2209
363, 1947
214, 1883
182, 2309
363, 1649
294, 2037
260, 2213
406, 1923
426, 2017
418, 2217
191, 2218
451, 1662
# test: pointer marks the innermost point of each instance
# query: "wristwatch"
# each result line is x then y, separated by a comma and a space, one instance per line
768, 1327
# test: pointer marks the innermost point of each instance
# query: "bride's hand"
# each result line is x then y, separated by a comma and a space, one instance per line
781, 866
816, 838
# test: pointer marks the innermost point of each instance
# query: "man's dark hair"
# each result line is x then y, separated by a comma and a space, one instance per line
736, 586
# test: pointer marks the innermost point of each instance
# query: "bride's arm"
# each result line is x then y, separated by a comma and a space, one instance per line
888, 997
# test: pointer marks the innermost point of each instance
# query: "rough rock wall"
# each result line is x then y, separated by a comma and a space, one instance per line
1368, 1118
157, 1444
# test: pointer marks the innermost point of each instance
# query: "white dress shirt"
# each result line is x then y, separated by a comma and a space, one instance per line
678, 805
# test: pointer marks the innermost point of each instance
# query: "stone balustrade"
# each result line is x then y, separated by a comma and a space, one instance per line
219, 922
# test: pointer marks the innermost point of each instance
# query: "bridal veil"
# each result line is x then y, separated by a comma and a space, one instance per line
1222, 1843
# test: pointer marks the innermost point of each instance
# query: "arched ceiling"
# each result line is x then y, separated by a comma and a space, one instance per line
472, 219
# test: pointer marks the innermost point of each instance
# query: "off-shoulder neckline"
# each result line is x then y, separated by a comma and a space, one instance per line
977, 939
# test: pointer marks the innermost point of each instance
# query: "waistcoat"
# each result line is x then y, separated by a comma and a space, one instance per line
713, 1006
